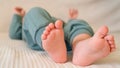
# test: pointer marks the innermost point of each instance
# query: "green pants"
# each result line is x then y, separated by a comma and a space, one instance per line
35, 22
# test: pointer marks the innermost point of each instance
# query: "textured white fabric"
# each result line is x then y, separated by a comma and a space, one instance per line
15, 54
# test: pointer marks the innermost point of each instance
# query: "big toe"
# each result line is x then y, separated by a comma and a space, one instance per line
101, 32
59, 24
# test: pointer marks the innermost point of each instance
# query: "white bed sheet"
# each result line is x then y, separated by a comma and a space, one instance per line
15, 54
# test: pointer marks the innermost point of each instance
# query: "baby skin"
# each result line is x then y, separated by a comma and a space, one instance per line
94, 48
53, 42
86, 49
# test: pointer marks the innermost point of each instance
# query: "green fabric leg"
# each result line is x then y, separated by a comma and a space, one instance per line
35, 22
76, 27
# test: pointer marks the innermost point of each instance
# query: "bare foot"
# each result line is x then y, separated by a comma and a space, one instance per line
92, 49
73, 13
53, 42
20, 11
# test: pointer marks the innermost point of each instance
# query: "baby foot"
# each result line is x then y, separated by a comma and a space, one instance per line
73, 13
53, 42
20, 11
90, 50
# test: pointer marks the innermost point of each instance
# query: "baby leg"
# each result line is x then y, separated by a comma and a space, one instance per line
89, 50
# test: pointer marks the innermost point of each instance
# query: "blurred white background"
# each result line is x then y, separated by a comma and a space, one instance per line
95, 12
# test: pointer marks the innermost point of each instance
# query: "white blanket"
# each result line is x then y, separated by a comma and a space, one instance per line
16, 54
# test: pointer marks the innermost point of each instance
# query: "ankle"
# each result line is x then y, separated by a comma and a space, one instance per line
79, 38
